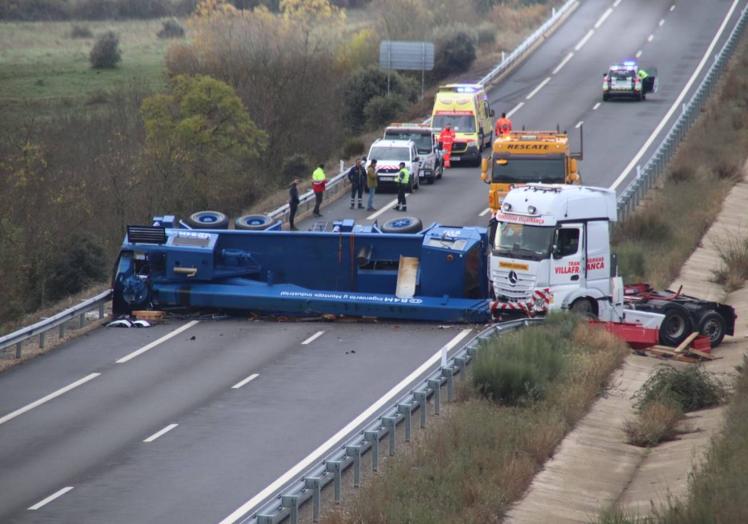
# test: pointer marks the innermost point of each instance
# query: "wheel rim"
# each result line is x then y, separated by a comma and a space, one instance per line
675, 326
712, 329
400, 222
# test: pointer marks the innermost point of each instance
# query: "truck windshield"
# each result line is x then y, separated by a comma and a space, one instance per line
422, 140
518, 170
523, 241
390, 153
459, 123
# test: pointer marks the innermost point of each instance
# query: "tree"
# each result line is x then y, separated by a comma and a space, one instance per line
202, 143
105, 53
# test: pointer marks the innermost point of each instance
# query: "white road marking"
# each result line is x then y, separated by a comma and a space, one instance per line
650, 38
382, 210
516, 108
161, 433
540, 86
678, 101
594, 108
55, 394
662, 22
583, 41
155, 343
53, 496
484, 212
602, 19
563, 63
245, 381
335, 439
672, 7
615, 4
313, 338
579, 124
638, 53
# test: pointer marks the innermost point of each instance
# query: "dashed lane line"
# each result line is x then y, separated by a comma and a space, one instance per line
53, 496
245, 381
155, 343
313, 338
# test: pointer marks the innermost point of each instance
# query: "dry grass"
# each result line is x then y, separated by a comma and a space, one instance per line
734, 270
654, 424
483, 455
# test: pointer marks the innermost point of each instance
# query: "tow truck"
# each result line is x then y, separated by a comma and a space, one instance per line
624, 80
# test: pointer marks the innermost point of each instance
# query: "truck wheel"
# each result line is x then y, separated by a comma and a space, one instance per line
402, 225
584, 307
712, 325
253, 222
676, 326
208, 220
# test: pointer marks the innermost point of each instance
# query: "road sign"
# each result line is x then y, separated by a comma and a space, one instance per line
411, 56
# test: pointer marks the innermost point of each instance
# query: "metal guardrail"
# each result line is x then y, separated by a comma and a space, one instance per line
41, 328
646, 176
308, 487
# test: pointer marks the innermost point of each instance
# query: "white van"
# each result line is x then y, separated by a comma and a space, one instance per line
389, 154
431, 166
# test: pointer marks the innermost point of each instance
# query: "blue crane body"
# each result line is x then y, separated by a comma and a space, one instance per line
438, 274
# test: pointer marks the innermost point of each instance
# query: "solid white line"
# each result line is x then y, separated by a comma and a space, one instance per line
563, 63
594, 108
155, 343
638, 53
678, 100
245, 381
332, 441
44, 502
484, 212
672, 7
584, 40
161, 433
540, 86
662, 22
650, 38
382, 210
579, 124
615, 4
516, 108
55, 394
313, 338
602, 19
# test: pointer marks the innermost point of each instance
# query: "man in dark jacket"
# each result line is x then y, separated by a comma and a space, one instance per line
293, 203
357, 177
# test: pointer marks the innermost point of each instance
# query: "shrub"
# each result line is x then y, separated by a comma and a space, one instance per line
381, 110
734, 270
454, 55
353, 147
655, 423
80, 31
296, 165
83, 264
726, 170
631, 262
681, 173
171, 29
367, 83
690, 389
105, 53
646, 225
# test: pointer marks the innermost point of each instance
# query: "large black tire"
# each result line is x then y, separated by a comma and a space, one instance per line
402, 225
208, 220
585, 307
605, 97
713, 325
256, 222
676, 326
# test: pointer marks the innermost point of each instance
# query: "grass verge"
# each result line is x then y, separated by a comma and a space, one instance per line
492, 442
733, 272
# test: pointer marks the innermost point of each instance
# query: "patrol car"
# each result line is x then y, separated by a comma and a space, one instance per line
624, 80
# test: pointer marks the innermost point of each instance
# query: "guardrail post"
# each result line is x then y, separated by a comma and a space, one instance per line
334, 467
460, 361
42, 336
62, 330
355, 453
373, 438
422, 405
265, 519
448, 372
19, 345
390, 423
292, 503
313, 483
436, 387
405, 411
101, 311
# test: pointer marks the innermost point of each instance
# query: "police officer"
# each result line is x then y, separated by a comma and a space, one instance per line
403, 182
357, 178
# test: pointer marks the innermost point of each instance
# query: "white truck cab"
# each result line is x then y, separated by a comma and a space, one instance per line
389, 154
423, 136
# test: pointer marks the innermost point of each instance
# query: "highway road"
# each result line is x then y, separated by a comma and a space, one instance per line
188, 421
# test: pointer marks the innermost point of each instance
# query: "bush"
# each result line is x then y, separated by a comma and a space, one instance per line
367, 83
295, 166
353, 147
734, 271
682, 173
690, 389
83, 264
80, 31
645, 225
654, 424
105, 53
454, 55
631, 262
381, 110
171, 29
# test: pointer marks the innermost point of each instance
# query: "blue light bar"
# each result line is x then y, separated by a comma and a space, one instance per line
465, 90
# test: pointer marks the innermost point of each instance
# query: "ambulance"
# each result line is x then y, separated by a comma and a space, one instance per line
465, 107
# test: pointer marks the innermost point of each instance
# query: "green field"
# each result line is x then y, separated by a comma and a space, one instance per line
42, 66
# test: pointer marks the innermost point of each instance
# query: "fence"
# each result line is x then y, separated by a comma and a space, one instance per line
646, 176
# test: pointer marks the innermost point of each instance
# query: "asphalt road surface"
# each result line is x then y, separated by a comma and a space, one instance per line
162, 425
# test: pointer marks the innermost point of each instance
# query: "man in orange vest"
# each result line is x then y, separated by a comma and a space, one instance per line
503, 126
446, 139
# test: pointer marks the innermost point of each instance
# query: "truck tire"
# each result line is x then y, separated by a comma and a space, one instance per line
584, 307
257, 222
676, 325
713, 325
208, 220
402, 225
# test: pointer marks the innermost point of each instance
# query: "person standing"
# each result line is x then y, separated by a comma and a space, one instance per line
357, 177
371, 183
446, 140
293, 203
503, 126
403, 181
319, 179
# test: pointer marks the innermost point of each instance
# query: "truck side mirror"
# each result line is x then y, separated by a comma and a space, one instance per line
556, 252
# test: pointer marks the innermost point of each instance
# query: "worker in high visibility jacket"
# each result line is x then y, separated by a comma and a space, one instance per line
319, 179
403, 183
446, 140
503, 126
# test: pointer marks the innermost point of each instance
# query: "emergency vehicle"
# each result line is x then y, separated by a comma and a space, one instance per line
623, 80
422, 135
389, 154
465, 107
